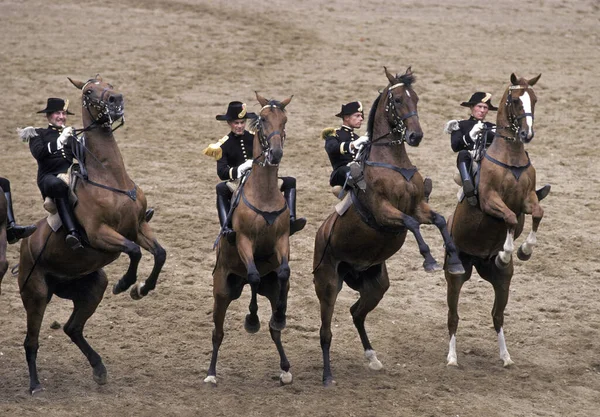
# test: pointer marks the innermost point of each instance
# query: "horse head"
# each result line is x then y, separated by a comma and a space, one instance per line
270, 129
515, 114
101, 103
400, 102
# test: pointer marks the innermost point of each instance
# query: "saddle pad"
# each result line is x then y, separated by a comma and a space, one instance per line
54, 221
343, 205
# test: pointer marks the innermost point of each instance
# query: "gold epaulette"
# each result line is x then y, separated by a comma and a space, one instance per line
330, 131
214, 149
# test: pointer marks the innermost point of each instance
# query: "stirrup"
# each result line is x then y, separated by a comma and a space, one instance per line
469, 192
73, 241
229, 234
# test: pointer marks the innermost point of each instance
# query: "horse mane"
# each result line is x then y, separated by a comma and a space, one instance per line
372, 116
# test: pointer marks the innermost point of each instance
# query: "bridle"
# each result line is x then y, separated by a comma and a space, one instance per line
264, 139
103, 109
397, 125
512, 118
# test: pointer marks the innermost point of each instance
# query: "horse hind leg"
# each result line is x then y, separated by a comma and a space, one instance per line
278, 318
454, 283
375, 283
147, 241
86, 293
220, 306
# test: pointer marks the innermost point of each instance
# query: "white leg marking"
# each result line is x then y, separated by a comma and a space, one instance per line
526, 100
509, 247
374, 363
527, 246
452, 360
503, 351
285, 378
211, 379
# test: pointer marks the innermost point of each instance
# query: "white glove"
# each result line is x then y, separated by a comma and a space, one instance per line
359, 143
475, 130
244, 167
451, 126
64, 136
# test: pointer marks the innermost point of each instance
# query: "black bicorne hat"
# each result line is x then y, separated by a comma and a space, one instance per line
56, 104
480, 97
350, 108
236, 111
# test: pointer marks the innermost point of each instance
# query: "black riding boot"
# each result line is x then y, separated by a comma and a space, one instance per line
14, 232
295, 224
149, 214
73, 239
223, 207
467, 182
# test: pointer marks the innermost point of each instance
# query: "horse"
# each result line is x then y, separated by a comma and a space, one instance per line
485, 234
111, 211
3, 240
353, 248
260, 254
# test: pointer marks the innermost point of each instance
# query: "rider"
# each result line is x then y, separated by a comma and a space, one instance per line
14, 232
342, 145
234, 157
464, 135
51, 147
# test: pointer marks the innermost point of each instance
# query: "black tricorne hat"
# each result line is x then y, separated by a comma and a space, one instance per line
350, 108
56, 104
480, 97
236, 111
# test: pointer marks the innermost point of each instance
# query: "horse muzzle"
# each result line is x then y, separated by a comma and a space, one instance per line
413, 138
273, 156
526, 135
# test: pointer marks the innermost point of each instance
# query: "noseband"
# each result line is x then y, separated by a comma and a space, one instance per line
398, 127
513, 120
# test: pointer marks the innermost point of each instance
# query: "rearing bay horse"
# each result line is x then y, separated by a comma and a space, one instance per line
354, 247
261, 252
485, 235
111, 209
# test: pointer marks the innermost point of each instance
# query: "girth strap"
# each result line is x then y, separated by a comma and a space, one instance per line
407, 173
516, 170
129, 193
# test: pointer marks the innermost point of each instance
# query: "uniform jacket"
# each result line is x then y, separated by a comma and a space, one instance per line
337, 146
236, 149
460, 139
43, 147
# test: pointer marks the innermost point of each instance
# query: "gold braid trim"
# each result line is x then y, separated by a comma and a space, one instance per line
330, 131
214, 149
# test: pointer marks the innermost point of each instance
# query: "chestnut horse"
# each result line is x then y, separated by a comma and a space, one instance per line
3, 241
354, 247
261, 252
484, 235
111, 210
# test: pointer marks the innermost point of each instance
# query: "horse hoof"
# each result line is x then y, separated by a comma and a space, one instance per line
522, 255
211, 379
136, 292
277, 324
100, 375
117, 288
500, 264
452, 362
329, 382
432, 267
285, 378
456, 269
507, 362
36, 390
252, 323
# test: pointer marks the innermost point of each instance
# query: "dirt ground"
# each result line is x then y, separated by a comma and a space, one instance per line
178, 63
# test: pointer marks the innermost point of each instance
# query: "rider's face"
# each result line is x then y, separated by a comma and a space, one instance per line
237, 126
354, 120
479, 111
58, 118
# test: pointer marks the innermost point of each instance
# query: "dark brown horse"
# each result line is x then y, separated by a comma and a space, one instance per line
111, 210
485, 235
3, 241
261, 252
354, 247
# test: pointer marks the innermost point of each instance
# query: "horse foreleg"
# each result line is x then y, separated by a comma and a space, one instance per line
327, 286
221, 303
452, 263
147, 241
429, 264
35, 298
526, 249
375, 283
285, 377
454, 283
505, 256
500, 279
278, 319
86, 293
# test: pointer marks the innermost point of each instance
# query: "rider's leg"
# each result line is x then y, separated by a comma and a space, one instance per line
53, 187
14, 232
464, 164
289, 193
224, 195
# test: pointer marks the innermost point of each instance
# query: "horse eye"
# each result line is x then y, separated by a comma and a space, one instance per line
88, 92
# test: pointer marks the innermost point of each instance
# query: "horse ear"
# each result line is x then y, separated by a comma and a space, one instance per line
98, 77
286, 101
534, 80
78, 84
263, 101
408, 71
513, 79
389, 76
